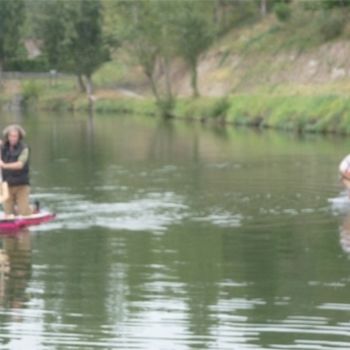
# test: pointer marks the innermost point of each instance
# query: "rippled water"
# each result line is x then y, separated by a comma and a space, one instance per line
178, 236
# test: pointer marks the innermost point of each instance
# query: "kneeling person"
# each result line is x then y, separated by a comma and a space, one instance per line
15, 167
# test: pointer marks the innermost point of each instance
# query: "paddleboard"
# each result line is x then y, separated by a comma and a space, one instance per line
19, 222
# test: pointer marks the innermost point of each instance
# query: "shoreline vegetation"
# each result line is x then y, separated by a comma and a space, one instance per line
298, 113
279, 64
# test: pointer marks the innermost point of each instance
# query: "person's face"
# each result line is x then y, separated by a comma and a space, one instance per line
13, 137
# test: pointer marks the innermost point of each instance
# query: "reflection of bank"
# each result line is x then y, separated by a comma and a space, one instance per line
15, 268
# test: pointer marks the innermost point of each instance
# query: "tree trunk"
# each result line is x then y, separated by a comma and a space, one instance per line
89, 91
81, 83
1, 76
194, 83
169, 92
153, 86
89, 85
263, 7
220, 14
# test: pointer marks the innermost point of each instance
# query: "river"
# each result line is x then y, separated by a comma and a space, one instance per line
175, 235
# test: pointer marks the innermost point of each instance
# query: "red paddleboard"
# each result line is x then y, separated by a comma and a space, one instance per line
19, 222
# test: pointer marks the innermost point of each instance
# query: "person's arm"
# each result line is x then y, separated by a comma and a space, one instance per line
22, 160
12, 166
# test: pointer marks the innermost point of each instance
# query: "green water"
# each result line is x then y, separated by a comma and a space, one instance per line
178, 236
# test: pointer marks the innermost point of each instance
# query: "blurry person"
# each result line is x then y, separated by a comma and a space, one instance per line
344, 168
15, 170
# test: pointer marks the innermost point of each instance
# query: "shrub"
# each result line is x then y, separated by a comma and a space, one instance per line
220, 108
331, 25
30, 91
166, 106
39, 64
282, 11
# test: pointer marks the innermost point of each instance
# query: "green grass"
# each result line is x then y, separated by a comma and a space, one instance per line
201, 108
322, 114
127, 105
287, 108
303, 30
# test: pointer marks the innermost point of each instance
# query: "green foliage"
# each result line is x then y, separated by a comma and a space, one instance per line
145, 29
282, 11
195, 33
126, 105
156, 31
324, 113
11, 18
86, 42
51, 30
328, 4
72, 35
202, 108
39, 64
166, 107
30, 91
331, 25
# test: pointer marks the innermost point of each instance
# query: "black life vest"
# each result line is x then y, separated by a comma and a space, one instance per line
11, 155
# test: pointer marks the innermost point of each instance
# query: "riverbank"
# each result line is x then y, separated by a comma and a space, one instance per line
324, 113
264, 73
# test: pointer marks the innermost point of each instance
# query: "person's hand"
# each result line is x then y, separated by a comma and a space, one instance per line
1, 164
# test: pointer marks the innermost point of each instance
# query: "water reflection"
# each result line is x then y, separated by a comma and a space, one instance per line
15, 268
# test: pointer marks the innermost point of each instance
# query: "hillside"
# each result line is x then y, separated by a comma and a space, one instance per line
304, 54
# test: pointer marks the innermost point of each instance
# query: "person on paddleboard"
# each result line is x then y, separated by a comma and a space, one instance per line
14, 164
344, 168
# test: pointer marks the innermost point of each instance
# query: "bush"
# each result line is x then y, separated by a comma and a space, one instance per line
311, 5
331, 25
202, 108
220, 108
166, 106
30, 91
282, 11
39, 64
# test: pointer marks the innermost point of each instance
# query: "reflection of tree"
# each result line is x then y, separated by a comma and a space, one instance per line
79, 283
138, 258
161, 144
90, 130
200, 273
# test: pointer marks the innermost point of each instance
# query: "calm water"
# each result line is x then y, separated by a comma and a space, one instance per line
178, 236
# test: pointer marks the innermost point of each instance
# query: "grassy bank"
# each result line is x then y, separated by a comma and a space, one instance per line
303, 113
324, 114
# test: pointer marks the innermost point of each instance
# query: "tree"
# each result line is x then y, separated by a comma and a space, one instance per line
86, 42
144, 29
52, 30
11, 18
73, 39
195, 34
144, 35
263, 7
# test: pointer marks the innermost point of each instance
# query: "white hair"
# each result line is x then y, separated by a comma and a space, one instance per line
14, 127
